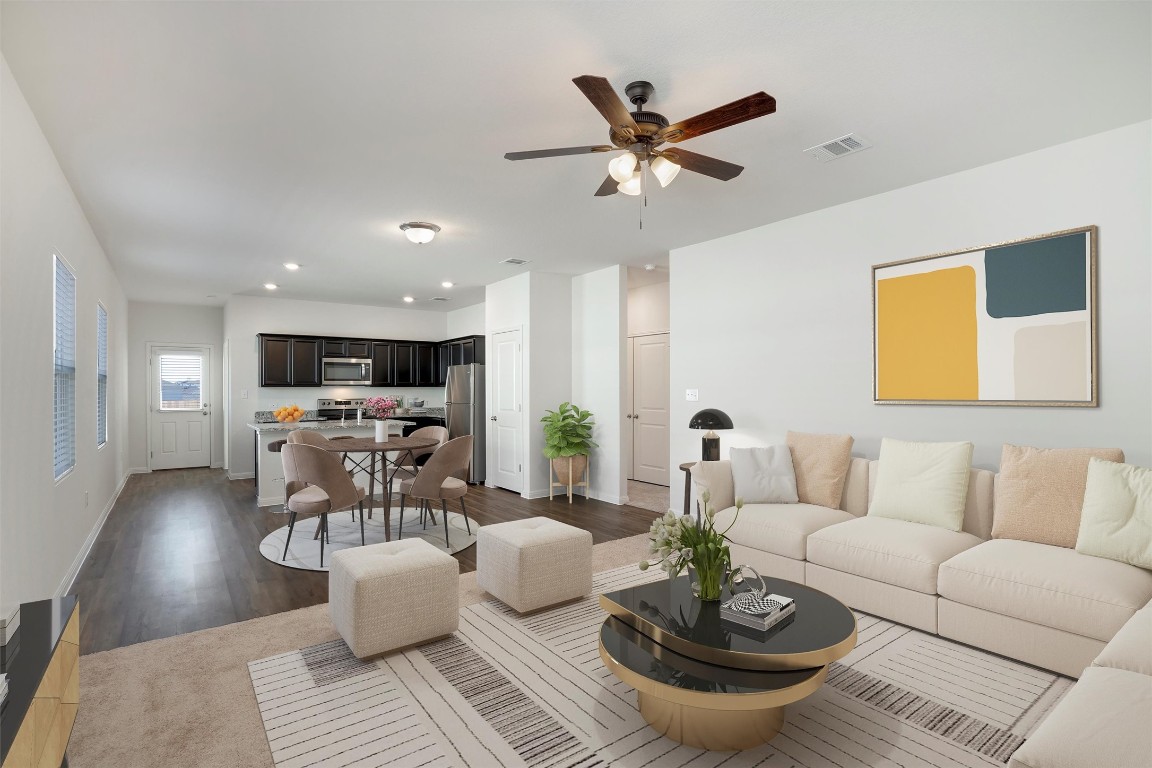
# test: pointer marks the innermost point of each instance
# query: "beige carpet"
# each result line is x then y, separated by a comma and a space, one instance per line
188, 700
648, 496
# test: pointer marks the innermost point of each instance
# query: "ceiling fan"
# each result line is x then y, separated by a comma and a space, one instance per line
641, 133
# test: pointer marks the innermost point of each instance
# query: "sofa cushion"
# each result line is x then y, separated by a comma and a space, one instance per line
891, 551
821, 464
781, 529
1102, 721
1131, 648
716, 478
1052, 586
1040, 492
763, 475
1116, 521
922, 482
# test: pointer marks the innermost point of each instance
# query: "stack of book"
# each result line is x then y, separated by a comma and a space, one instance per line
757, 611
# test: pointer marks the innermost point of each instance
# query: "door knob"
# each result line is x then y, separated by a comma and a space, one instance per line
493, 418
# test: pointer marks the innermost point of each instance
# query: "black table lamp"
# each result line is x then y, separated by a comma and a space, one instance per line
710, 419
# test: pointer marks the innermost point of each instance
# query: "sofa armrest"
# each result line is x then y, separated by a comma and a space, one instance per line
716, 478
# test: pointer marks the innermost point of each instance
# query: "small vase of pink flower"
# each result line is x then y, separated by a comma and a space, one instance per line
380, 407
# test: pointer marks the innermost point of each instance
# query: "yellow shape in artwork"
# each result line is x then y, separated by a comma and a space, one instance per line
926, 336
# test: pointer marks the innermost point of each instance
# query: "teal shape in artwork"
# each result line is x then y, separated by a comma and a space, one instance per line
1037, 277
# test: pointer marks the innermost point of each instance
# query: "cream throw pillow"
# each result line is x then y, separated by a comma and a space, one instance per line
821, 465
922, 482
1040, 492
1116, 522
763, 475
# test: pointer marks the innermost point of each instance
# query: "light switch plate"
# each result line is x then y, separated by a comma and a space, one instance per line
243, 394
692, 395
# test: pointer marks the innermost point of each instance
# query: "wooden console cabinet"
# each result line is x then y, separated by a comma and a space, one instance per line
42, 661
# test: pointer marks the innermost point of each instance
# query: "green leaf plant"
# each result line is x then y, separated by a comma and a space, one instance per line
567, 432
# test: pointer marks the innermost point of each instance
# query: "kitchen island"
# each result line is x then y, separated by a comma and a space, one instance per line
270, 467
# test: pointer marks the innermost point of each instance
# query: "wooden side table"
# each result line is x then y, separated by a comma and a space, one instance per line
687, 468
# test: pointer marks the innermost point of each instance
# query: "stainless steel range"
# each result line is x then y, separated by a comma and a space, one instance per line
339, 410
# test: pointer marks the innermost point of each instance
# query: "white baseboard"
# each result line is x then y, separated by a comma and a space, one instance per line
605, 497
9, 625
241, 475
139, 470
74, 571
218, 465
558, 493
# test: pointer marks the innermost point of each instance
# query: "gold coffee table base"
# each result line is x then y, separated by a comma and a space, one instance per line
712, 729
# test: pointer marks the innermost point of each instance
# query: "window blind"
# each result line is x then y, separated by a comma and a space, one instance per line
180, 378
101, 375
64, 365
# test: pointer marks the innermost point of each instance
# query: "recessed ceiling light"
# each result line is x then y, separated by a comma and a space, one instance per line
271, 286
419, 232
291, 266
447, 284
408, 299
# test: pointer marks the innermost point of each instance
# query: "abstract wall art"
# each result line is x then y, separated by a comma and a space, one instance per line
1006, 324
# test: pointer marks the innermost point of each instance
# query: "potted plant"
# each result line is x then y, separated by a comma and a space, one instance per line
567, 441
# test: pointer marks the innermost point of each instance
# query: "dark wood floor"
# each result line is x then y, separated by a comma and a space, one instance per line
180, 552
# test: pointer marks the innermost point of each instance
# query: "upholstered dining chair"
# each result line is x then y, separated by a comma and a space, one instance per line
312, 437
316, 484
419, 456
439, 478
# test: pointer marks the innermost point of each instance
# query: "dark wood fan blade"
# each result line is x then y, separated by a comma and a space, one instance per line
748, 108
535, 153
607, 188
599, 92
709, 166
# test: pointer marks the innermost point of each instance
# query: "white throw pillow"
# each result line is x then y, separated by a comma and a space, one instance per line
763, 475
1116, 521
922, 482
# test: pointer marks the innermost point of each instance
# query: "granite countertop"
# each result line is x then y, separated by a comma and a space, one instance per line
276, 426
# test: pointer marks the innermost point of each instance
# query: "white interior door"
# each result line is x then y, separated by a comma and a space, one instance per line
627, 450
180, 431
507, 412
650, 408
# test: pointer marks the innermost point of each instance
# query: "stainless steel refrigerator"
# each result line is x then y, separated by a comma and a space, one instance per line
464, 412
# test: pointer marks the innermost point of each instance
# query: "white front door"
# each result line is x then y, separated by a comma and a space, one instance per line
507, 413
180, 428
650, 408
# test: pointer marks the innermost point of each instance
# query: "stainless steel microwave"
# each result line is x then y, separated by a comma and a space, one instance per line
346, 371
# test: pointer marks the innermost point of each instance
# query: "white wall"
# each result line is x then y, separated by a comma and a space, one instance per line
47, 526
549, 359
774, 326
467, 321
598, 349
648, 310
172, 324
246, 316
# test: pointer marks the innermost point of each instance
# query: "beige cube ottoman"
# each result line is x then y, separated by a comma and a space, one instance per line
533, 563
387, 596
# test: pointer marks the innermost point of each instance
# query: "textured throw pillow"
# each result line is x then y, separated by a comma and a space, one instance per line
922, 482
821, 464
1040, 492
1116, 521
763, 475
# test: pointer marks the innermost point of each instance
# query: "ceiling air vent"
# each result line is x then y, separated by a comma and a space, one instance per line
439, 298
512, 260
845, 145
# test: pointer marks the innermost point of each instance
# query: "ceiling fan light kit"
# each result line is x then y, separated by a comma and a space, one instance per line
641, 133
419, 232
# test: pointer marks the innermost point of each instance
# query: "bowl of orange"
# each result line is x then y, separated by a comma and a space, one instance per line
288, 413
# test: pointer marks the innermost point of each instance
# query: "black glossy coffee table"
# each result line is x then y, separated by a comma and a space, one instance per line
711, 684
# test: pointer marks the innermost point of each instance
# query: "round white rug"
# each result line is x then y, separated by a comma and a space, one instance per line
344, 533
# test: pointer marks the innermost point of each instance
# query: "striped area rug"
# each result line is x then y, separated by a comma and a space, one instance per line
507, 690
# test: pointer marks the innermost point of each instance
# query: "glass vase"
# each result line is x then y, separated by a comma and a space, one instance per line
707, 579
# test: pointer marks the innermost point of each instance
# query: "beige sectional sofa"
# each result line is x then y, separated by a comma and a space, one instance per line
1082, 616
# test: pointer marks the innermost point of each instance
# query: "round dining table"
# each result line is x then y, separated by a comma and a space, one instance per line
400, 447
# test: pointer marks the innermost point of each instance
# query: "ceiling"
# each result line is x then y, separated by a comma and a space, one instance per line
210, 142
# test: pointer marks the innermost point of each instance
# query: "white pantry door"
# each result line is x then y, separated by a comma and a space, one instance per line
180, 433
650, 406
507, 414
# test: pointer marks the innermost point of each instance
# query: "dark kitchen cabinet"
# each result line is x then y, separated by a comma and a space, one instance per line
426, 364
383, 353
335, 348
421, 421
289, 362
443, 360
305, 363
357, 348
405, 365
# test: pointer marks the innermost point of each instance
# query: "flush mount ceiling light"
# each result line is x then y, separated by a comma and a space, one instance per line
447, 284
291, 266
419, 232
271, 286
409, 299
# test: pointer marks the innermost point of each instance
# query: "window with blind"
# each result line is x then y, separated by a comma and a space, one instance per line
101, 375
64, 367
180, 379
